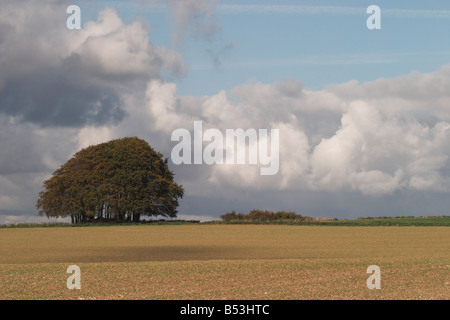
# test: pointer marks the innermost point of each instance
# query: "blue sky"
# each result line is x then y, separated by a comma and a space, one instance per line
364, 115
319, 42
321, 49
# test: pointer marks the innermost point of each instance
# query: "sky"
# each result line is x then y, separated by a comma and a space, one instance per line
363, 115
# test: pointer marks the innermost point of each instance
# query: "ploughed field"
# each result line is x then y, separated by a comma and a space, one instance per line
207, 261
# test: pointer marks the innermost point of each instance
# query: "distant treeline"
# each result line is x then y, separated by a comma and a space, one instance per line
96, 224
265, 215
399, 217
291, 218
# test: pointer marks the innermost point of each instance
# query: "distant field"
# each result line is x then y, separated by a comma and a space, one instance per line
209, 261
419, 221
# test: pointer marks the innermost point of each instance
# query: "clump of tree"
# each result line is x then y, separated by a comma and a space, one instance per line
118, 181
264, 216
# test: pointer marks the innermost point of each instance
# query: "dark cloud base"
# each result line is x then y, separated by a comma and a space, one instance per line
49, 100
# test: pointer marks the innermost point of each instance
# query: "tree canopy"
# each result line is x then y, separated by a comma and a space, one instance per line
121, 181
264, 216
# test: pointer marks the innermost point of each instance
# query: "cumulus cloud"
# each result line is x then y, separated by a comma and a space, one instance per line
59, 77
375, 138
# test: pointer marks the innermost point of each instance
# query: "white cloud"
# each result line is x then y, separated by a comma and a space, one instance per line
58, 77
89, 136
162, 102
113, 48
375, 138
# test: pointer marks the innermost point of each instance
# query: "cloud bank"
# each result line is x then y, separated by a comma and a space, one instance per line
377, 137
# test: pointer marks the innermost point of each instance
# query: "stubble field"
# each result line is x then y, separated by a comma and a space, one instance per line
225, 262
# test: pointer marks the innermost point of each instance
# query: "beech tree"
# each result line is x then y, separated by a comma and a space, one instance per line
119, 181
